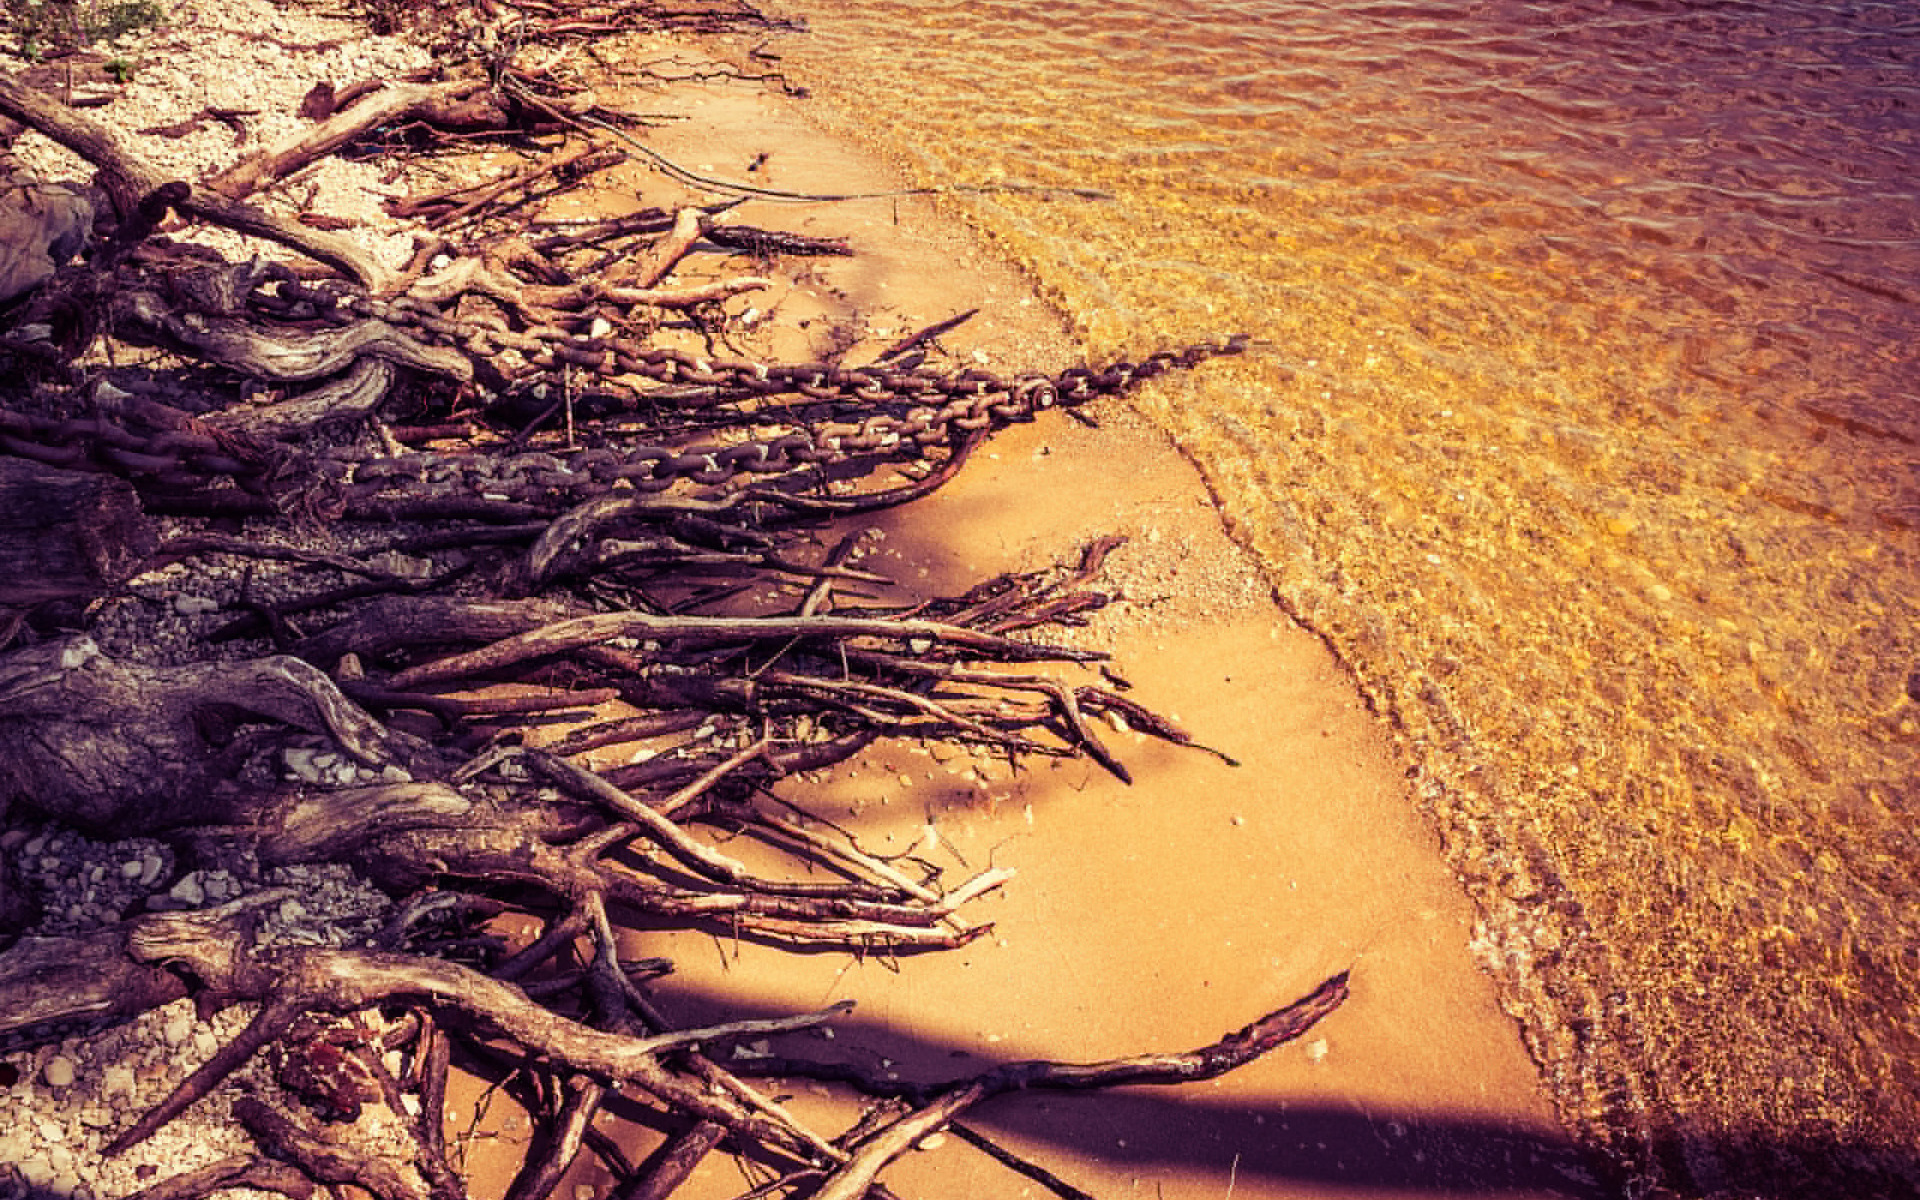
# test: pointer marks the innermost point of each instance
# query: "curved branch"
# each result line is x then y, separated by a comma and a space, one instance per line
129, 178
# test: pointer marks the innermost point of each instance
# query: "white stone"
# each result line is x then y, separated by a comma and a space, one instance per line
58, 1072
189, 890
179, 1028
303, 768
117, 1080
130, 869
152, 867
188, 606
204, 1043
37, 1171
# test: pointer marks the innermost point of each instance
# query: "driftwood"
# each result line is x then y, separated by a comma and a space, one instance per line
395, 102
67, 533
109, 746
698, 599
129, 179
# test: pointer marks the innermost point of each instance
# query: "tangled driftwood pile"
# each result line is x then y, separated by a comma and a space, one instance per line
539, 496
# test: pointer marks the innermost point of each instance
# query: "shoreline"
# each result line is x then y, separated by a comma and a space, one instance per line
1149, 917
1422, 1048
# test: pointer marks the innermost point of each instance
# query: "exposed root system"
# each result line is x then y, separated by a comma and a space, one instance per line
551, 518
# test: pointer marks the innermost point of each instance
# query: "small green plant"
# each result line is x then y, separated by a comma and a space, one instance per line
43, 26
120, 67
123, 17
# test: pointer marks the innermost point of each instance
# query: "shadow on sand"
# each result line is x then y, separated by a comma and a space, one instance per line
1348, 1147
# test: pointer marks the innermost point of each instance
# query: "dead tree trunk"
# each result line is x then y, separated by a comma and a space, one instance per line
109, 746
67, 533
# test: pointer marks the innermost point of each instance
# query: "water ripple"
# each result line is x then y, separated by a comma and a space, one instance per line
1591, 443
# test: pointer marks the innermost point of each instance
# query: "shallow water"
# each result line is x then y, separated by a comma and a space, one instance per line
1585, 428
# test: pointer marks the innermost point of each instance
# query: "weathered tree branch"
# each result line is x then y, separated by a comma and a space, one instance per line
129, 179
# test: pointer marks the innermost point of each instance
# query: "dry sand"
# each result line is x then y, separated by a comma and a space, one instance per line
1156, 916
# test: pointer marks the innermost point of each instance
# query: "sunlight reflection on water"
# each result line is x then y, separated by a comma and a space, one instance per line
1588, 435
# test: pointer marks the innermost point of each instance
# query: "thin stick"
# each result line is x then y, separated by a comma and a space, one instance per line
1013, 1162
598, 628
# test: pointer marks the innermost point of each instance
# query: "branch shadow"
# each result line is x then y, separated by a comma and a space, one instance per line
1317, 1143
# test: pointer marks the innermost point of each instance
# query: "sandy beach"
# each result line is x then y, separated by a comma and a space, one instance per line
1152, 916
1155, 916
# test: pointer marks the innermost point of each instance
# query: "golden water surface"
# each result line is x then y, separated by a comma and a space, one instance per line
1584, 430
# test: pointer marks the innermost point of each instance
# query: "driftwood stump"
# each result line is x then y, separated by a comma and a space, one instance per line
67, 533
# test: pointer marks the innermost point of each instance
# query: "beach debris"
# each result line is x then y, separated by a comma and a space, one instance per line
415, 513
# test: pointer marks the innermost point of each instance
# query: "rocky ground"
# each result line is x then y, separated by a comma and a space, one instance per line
253, 62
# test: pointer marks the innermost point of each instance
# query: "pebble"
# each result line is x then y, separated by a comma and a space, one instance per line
189, 891
117, 1080
188, 606
300, 761
58, 1072
178, 1029
204, 1043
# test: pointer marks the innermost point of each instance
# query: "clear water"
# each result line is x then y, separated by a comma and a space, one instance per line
1587, 431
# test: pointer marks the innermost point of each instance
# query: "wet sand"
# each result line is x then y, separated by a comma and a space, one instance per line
1156, 916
